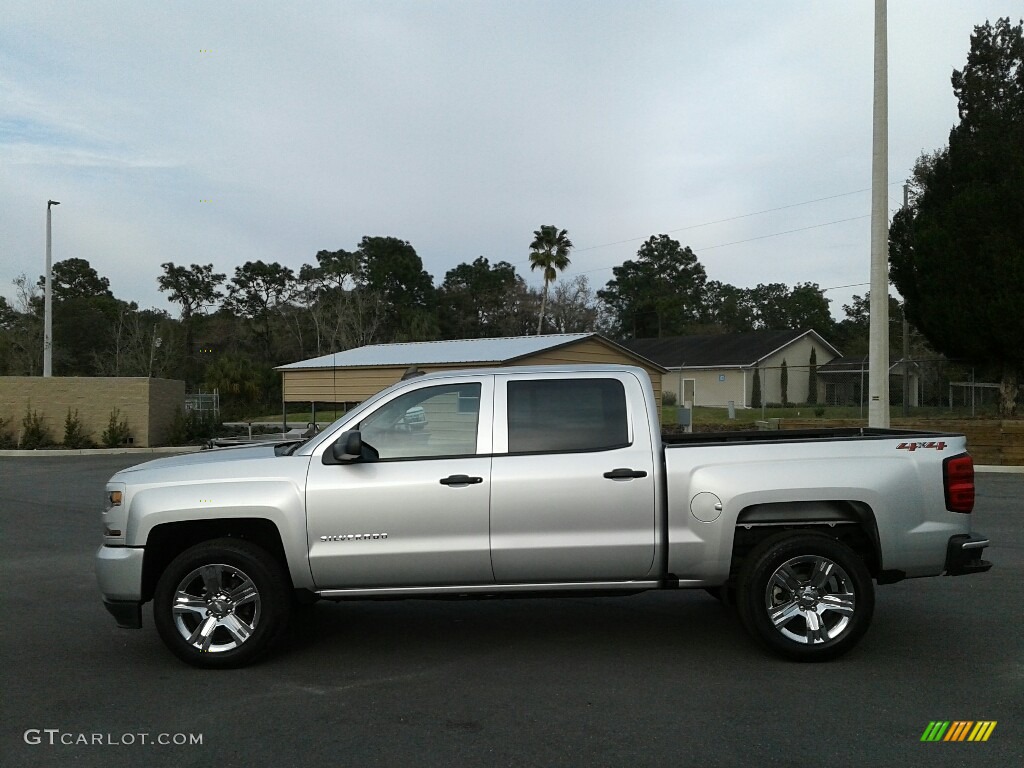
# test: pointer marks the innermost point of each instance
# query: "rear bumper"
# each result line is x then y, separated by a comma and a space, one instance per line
963, 555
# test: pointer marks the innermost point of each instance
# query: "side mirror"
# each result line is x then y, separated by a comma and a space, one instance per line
346, 449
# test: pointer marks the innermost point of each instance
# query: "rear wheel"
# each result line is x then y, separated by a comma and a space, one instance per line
805, 596
222, 603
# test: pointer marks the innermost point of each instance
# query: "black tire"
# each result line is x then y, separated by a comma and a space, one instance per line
240, 602
805, 596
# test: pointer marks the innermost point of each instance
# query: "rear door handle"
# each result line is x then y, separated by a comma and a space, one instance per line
625, 474
461, 480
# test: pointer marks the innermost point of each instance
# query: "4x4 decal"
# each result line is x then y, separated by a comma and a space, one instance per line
939, 446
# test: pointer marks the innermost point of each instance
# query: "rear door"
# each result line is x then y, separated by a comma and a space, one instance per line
572, 479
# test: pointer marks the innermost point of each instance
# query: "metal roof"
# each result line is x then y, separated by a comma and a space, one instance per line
455, 352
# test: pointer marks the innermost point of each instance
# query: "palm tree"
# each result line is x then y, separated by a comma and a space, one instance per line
549, 251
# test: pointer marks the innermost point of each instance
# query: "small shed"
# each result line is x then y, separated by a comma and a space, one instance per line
357, 374
844, 381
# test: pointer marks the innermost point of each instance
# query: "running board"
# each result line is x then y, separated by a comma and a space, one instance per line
488, 589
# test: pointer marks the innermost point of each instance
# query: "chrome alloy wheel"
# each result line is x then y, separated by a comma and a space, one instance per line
216, 608
810, 599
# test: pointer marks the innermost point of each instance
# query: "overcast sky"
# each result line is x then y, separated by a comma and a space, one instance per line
197, 131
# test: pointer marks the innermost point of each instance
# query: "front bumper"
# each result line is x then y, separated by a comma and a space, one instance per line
119, 573
127, 613
963, 555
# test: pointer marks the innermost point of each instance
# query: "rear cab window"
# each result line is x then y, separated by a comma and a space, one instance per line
563, 415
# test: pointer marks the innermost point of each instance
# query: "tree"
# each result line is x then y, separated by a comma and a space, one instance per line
573, 307
777, 308
549, 252
342, 312
808, 309
256, 291
852, 332
22, 329
957, 252
238, 380
728, 307
391, 269
85, 314
659, 294
755, 390
784, 382
812, 378
193, 288
76, 279
479, 300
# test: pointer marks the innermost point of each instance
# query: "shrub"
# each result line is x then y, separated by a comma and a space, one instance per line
117, 432
7, 440
819, 412
668, 398
192, 427
34, 433
74, 432
784, 383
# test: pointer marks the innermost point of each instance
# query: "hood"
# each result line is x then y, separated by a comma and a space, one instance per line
213, 456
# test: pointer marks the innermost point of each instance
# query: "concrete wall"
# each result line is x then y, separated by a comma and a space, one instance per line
148, 405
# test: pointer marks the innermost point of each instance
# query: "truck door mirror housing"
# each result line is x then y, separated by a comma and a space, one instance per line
346, 449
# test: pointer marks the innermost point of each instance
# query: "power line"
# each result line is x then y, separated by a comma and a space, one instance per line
748, 240
848, 285
732, 218
787, 232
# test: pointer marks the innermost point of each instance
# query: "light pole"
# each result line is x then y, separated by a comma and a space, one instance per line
48, 306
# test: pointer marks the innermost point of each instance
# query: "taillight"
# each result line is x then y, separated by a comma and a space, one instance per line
958, 480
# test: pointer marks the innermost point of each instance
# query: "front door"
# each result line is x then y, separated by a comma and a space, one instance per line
418, 515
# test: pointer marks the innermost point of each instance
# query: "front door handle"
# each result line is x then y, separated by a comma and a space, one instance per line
625, 474
461, 480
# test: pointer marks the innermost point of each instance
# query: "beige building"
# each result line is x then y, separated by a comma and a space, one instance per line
714, 370
357, 374
147, 405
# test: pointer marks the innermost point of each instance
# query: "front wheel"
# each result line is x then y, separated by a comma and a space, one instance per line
222, 603
805, 596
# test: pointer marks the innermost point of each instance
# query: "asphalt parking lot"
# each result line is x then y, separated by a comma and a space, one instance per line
657, 679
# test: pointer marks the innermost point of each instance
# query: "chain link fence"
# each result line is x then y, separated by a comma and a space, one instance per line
839, 389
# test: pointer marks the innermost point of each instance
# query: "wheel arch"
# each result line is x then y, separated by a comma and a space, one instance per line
167, 540
849, 521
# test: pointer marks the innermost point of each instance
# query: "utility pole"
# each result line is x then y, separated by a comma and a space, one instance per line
906, 328
48, 301
878, 345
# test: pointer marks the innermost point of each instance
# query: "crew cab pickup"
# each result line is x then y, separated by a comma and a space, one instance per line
527, 481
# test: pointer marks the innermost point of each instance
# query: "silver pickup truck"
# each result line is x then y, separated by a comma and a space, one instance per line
527, 481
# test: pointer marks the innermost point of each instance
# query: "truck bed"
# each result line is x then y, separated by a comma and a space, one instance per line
793, 436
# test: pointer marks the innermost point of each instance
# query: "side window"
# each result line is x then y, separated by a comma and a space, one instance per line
566, 415
428, 422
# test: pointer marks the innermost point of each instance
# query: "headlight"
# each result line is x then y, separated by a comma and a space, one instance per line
115, 514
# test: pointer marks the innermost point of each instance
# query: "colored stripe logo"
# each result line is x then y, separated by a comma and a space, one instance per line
958, 730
